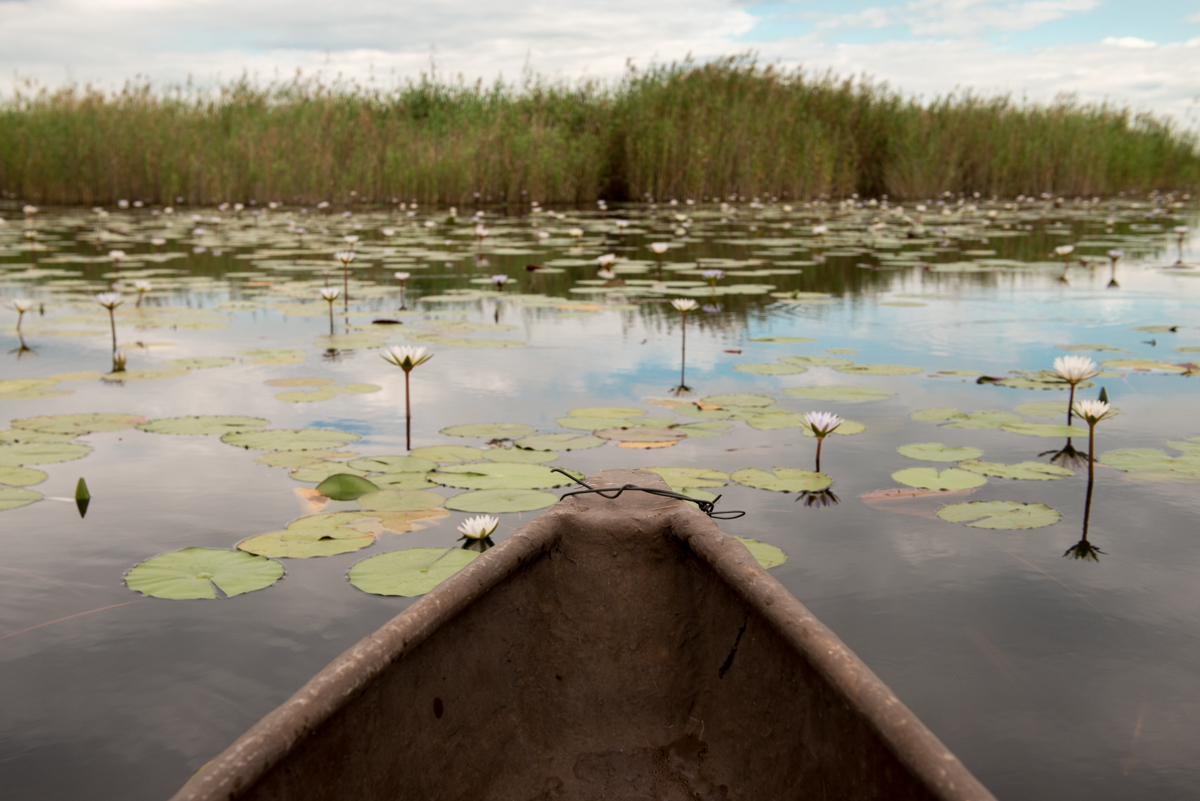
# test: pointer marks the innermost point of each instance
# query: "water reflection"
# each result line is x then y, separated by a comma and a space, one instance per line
1068, 456
817, 500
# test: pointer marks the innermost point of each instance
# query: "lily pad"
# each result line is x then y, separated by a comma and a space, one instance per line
1050, 409
214, 424
199, 362
878, 369
321, 469
345, 487
301, 396
307, 543
23, 454
930, 478
286, 439
641, 435
401, 480
499, 475
150, 374
559, 442
937, 452
774, 368
77, 424
1003, 515
1092, 346
14, 497
783, 479
194, 573
1031, 471
681, 477
987, 419
489, 430
444, 454
497, 501
399, 500
817, 361
394, 464
594, 423
356, 389
296, 459
519, 455
21, 476
272, 355
786, 340
410, 572
606, 411
1045, 430
292, 383
708, 428
840, 394
768, 556
1151, 460
937, 415
740, 399
1143, 364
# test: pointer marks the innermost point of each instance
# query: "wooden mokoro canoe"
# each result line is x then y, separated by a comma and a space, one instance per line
609, 649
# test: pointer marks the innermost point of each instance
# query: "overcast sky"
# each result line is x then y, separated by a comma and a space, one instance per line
1143, 54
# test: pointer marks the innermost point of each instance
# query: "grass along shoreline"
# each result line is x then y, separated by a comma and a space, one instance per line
682, 130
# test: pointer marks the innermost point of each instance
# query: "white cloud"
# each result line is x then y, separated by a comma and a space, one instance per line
958, 17
1131, 42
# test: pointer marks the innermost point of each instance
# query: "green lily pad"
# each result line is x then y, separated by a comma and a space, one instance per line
817, 361
559, 442
595, 423
638, 434
930, 478
773, 368
394, 464
23, 454
783, 479
937, 452
364, 341
297, 459
410, 572
192, 573
1151, 460
606, 411
345, 487
1143, 364
785, 340
1004, 515
959, 372
151, 374
489, 430
1050, 409
14, 497
878, 369
287, 439
310, 396
399, 500
272, 355
77, 424
356, 389
519, 455
850, 351
21, 476
848, 428
402, 480
987, 419
768, 556
1157, 329
318, 470
1045, 430
499, 475
307, 543
680, 477
1092, 346
708, 428
444, 454
214, 424
301, 381
199, 362
840, 394
738, 400
1031, 471
1188, 349
497, 501
937, 415
13, 436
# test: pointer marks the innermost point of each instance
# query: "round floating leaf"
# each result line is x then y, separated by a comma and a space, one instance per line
958, 372
198, 572
218, 424
1032, 471
841, 350
559, 442
76, 424
1045, 430
691, 476
496, 501
306, 543
693, 492
840, 394
878, 369
593, 423
1151, 460
297, 459
286, 439
401, 480
272, 355
489, 430
1049, 409
356, 389
1188, 349
987, 419
399, 500
13, 497
393, 464
848, 428
146, 375
499, 475
448, 453
520, 455
410, 572
606, 411
1040, 381
783, 479
1005, 515
817, 361
199, 362
937, 415
292, 383
23, 454
930, 478
345, 487
300, 396
21, 476
709, 428
739, 399
770, 369
319, 470
12, 436
1143, 364
641, 435
785, 340
937, 452
766, 555
1092, 346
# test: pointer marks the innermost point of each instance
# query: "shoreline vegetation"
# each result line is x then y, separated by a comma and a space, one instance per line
683, 130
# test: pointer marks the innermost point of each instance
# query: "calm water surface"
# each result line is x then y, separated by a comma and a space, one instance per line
1051, 677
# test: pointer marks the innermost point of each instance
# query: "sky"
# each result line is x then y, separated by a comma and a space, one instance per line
1144, 55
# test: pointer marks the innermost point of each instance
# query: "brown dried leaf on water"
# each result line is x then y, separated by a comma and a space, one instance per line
311, 501
911, 501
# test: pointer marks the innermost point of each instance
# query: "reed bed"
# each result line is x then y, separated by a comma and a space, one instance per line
683, 130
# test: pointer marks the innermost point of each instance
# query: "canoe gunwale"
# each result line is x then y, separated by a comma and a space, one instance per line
265, 745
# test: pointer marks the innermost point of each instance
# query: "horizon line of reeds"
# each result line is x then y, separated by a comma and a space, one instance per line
679, 130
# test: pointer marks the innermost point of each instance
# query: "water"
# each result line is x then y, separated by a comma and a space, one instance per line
1050, 677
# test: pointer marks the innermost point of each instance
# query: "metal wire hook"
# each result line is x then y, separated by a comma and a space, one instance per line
612, 493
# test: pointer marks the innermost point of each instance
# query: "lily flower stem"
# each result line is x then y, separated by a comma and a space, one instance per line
407, 414
820, 440
112, 321
138, 305
20, 315
331, 318
683, 351
1071, 406
346, 286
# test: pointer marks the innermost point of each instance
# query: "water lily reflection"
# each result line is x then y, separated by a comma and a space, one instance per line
817, 500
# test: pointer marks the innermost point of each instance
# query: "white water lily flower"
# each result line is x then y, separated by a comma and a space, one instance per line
1115, 254
116, 255
1065, 250
345, 257
1074, 369
606, 275
21, 305
621, 223
1093, 411
659, 247
607, 260
713, 275
480, 231
822, 424
1181, 229
351, 238
684, 304
142, 286
158, 241
820, 230
499, 279
575, 232
109, 300
330, 293
406, 357
479, 527
402, 277
388, 232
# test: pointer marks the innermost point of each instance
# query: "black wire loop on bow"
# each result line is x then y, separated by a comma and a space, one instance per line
612, 493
